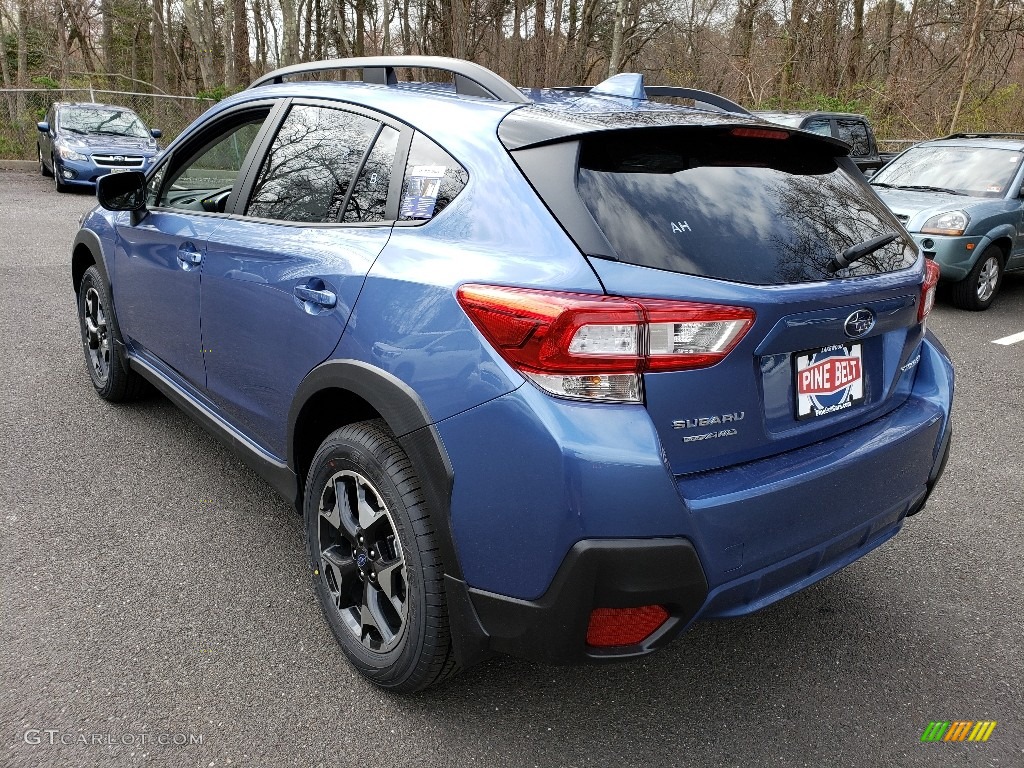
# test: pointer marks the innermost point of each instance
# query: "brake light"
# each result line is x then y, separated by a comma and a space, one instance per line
931, 282
595, 347
760, 133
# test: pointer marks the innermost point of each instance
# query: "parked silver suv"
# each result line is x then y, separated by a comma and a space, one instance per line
961, 199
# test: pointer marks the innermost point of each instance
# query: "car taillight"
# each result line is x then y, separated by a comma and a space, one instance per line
931, 281
595, 347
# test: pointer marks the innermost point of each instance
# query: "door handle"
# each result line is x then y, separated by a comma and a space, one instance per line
188, 256
322, 298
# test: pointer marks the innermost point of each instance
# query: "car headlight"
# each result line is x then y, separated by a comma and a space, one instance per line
951, 223
66, 153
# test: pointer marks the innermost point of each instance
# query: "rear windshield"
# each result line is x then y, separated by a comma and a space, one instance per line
748, 210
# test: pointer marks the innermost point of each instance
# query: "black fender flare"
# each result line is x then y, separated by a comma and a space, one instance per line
89, 239
408, 418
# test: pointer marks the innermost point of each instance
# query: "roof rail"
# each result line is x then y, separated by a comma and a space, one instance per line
713, 100
470, 79
985, 136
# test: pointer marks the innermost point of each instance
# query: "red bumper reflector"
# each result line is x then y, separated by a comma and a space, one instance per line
611, 627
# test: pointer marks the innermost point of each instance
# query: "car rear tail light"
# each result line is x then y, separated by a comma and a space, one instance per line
617, 627
931, 281
595, 347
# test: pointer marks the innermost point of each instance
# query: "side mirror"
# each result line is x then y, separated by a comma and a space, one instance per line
122, 191
43, 127
156, 133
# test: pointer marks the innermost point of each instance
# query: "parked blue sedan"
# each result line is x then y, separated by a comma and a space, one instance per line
961, 199
78, 143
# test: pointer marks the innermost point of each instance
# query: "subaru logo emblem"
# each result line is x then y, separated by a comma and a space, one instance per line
859, 323
361, 559
118, 158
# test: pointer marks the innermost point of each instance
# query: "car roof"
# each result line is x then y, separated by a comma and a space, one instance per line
544, 115
991, 141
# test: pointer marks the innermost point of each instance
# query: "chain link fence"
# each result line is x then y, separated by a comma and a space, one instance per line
21, 109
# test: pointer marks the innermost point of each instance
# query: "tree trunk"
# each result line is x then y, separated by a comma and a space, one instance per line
790, 50
5, 74
202, 41
614, 58
62, 41
890, 19
240, 42
972, 46
856, 49
540, 12
107, 38
229, 60
22, 43
290, 34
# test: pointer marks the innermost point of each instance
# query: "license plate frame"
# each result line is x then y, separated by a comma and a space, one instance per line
828, 380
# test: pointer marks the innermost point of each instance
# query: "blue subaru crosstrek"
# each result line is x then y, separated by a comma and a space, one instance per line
79, 143
552, 373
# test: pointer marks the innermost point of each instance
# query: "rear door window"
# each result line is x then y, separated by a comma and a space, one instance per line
750, 210
369, 198
311, 164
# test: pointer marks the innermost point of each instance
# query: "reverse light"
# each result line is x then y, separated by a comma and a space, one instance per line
595, 347
931, 282
617, 627
950, 223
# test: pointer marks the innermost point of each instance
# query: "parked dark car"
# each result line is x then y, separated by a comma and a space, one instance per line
79, 143
855, 130
548, 373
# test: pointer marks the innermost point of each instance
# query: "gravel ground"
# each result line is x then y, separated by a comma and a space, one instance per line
154, 587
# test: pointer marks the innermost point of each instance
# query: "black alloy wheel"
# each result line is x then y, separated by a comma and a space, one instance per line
111, 377
376, 570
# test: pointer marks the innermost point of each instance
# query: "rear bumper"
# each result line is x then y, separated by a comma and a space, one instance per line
612, 573
741, 538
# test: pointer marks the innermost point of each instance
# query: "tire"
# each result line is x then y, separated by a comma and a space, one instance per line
376, 568
111, 378
59, 185
43, 171
976, 291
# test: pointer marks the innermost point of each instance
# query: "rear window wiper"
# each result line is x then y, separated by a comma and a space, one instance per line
859, 251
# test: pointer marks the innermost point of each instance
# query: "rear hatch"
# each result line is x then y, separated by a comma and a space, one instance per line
734, 214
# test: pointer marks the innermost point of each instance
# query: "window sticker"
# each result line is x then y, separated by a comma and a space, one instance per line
421, 189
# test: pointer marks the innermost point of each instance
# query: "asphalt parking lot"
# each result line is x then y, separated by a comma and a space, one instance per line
152, 588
